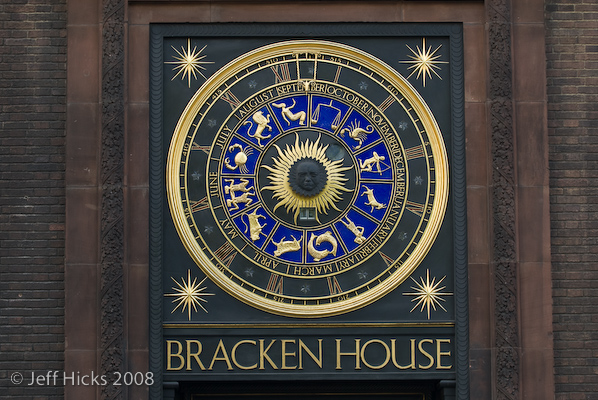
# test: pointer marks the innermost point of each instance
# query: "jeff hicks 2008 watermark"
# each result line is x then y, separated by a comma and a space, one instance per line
63, 378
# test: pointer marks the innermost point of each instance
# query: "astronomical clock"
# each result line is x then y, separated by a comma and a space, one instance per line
307, 183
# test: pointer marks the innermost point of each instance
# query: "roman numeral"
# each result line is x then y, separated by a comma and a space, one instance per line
414, 152
231, 99
226, 254
284, 75
205, 149
275, 284
415, 208
333, 286
338, 74
387, 260
200, 205
386, 103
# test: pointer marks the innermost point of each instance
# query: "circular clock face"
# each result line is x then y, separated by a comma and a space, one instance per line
307, 178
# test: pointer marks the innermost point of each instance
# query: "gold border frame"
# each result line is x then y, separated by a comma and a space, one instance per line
389, 75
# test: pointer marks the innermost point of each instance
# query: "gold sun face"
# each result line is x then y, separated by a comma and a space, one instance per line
295, 189
188, 62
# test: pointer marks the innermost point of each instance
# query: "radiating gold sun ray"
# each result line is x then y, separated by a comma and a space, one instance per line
424, 62
280, 185
428, 294
189, 294
188, 62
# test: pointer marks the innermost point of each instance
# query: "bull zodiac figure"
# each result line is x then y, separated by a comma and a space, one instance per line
254, 228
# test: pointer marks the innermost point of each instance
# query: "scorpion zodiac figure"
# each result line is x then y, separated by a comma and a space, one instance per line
357, 133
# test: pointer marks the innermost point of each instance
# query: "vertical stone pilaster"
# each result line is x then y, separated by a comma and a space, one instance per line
112, 348
506, 360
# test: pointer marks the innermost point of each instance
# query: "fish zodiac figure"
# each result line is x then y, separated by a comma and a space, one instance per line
284, 246
325, 237
357, 133
262, 123
287, 114
372, 200
254, 228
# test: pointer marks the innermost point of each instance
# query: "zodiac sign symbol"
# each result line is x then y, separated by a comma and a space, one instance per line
325, 237
240, 158
357, 133
284, 246
255, 228
357, 231
367, 165
287, 114
372, 200
238, 187
262, 123
316, 115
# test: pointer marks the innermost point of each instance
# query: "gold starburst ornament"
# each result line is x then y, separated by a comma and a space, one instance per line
428, 294
189, 294
188, 62
425, 62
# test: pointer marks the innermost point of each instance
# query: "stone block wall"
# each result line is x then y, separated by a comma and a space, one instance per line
572, 85
32, 194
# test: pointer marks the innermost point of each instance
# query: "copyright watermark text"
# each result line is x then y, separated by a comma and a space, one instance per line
63, 378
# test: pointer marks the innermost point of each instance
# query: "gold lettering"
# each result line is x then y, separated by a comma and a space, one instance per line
317, 360
394, 359
366, 344
213, 177
234, 354
439, 354
285, 354
220, 348
339, 354
425, 353
170, 355
264, 354
194, 355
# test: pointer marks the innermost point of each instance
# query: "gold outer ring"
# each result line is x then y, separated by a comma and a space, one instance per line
335, 50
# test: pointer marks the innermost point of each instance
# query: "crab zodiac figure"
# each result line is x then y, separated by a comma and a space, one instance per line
287, 114
240, 158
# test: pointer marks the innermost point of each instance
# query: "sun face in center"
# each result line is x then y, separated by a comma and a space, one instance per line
302, 176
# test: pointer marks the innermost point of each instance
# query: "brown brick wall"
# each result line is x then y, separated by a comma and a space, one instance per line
572, 61
32, 128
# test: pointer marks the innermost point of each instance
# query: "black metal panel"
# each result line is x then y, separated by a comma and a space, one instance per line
377, 323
